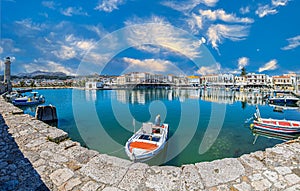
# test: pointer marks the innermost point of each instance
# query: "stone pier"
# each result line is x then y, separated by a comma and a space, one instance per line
35, 156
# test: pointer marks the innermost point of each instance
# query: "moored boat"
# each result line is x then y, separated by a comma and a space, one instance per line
284, 100
34, 99
275, 125
148, 141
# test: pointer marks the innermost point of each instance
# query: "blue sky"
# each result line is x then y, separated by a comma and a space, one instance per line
166, 36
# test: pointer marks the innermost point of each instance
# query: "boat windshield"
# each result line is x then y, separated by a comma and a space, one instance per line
149, 138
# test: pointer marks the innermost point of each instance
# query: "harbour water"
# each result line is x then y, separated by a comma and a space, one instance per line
204, 125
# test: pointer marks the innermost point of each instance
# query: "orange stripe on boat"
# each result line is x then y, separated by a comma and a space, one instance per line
296, 125
142, 145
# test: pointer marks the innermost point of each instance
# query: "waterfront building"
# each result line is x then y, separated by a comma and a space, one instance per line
297, 85
223, 80
283, 82
194, 81
256, 80
93, 85
240, 81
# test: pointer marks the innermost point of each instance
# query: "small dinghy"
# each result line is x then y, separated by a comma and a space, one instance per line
148, 141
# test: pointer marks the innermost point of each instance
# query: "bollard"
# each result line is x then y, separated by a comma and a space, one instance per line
46, 113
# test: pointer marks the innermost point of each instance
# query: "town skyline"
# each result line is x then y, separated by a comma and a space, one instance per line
158, 36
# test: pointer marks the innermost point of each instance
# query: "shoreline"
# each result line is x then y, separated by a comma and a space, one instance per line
67, 165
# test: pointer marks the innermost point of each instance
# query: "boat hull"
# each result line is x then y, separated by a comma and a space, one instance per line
276, 128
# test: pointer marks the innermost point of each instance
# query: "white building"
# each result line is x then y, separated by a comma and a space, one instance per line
194, 81
94, 85
240, 81
256, 80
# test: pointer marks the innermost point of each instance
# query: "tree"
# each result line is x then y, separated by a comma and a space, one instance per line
243, 73
22, 83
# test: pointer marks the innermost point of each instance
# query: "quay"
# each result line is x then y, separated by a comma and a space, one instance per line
36, 156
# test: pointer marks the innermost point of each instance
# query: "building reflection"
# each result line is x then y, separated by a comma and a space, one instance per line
210, 95
91, 95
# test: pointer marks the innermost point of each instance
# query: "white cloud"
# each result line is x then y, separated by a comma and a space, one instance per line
159, 32
70, 11
70, 47
28, 24
245, 10
264, 10
214, 69
271, 65
109, 5
293, 43
277, 3
216, 33
1, 50
220, 14
65, 52
49, 4
149, 65
149, 48
187, 6
195, 23
242, 62
47, 66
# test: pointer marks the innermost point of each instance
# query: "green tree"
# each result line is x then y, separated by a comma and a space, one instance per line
22, 83
243, 73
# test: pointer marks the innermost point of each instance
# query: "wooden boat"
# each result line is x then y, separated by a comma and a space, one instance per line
275, 125
148, 141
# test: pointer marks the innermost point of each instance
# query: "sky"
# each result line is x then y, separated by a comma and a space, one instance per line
191, 37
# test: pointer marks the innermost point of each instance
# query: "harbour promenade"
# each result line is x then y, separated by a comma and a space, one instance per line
35, 156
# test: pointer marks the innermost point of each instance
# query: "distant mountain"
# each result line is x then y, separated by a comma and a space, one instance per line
42, 73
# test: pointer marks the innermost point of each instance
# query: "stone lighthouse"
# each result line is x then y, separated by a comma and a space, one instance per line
7, 75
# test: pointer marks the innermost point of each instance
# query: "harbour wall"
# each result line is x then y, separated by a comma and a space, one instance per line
48, 159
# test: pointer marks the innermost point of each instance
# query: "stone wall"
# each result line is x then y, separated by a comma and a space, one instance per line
62, 164
2, 88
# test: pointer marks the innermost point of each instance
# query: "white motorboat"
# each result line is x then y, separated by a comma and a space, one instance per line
148, 141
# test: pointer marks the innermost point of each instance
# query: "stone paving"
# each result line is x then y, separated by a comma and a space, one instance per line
31, 160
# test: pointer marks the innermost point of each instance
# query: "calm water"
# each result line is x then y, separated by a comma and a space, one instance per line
204, 125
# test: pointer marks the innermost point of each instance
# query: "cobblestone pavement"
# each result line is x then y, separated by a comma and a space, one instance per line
36, 156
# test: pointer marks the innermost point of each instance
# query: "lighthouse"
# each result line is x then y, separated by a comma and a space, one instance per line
7, 74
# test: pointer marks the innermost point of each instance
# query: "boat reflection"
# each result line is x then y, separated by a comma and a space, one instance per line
284, 137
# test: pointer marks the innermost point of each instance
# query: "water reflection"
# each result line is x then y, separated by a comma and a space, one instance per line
210, 95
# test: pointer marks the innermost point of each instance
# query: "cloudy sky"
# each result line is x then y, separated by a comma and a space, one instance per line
168, 36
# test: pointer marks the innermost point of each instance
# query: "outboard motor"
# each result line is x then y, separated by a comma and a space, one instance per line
157, 120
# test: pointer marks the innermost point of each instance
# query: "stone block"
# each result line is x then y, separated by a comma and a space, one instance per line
242, 187
220, 171
190, 178
60, 176
263, 184
252, 162
57, 135
163, 178
283, 170
91, 186
103, 171
70, 184
292, 179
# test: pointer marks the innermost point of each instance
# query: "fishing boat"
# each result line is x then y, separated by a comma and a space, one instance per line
275, 125
284, 100
148, 141
33, 99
